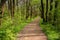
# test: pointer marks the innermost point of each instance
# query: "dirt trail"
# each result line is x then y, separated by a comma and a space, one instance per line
32, 32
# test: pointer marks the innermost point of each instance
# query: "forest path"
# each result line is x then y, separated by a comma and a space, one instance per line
32, 32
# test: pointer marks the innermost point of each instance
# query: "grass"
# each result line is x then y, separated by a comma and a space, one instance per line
50, 31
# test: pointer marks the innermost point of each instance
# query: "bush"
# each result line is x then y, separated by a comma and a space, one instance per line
7, 34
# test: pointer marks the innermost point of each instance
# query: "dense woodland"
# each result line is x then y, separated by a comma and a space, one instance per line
15, 14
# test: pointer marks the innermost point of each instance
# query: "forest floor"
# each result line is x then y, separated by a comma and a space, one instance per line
32, 31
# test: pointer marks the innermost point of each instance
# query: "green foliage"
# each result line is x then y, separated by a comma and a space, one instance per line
50, 31
6, 34
11, 27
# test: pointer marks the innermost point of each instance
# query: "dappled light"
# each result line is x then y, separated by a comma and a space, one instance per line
29, 19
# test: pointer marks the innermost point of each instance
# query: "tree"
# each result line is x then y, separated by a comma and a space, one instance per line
55, 13
2, 2
27, 8
50, 13
31, 12
46, 10
11, 7
42, 10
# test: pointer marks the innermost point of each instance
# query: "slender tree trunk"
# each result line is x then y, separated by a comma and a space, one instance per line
55, 13
13, 8
10, 7
31, 12
2, 10
17, 5
50, 13
42, 11
10, 4
46, 10
27, 9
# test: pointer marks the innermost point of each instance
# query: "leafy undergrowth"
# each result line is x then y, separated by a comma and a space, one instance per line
11, 27
50, 31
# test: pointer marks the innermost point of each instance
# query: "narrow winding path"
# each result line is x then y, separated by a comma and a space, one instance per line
32, 32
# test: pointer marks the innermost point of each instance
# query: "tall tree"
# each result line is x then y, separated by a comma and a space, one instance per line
31, 12
42, 10
2, 2
17, 5
11, 7
55, 13
46, 10
27, 8
50, 13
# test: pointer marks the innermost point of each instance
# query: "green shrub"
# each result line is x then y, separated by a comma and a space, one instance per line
7, 34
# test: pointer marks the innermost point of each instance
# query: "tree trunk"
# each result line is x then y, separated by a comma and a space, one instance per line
50, 13
2, 10
42, 11
31, 12
11, 7
46, 10
27, 9
55, 13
